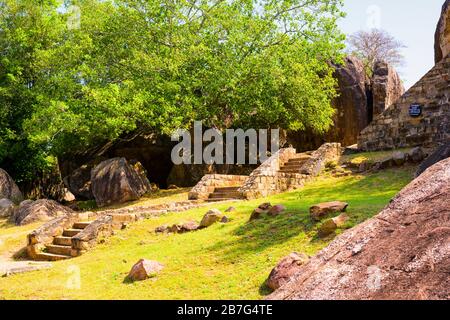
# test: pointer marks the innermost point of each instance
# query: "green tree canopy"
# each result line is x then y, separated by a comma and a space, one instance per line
68, 84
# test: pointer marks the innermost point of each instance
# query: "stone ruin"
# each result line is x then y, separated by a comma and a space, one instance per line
421, 117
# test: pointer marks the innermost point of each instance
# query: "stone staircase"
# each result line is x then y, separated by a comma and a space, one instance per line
295, 164
61, 248
224, 194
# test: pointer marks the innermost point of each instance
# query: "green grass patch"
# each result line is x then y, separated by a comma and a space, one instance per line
225, 261
371, 157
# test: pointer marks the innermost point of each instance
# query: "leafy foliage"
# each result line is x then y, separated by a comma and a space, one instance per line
69, 84
375, 45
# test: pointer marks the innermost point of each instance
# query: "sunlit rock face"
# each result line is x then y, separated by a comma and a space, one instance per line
442, 37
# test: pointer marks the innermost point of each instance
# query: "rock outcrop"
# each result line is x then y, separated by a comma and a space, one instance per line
421, 116
442, 35
39, 210
359, 100
8, 188
117, 181
144, 269
441, 153
402, 253
428, 126
285, 269
79, 181
351, 104
6, 208
387, 87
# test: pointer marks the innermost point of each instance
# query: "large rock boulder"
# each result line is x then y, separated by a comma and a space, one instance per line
6, 208
79, 182
117, 181
402, 253
8, 188
387, 87
39, 210
442, 35
359, 99
351, 104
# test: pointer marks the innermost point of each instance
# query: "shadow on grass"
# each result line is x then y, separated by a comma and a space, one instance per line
366, 195
6, 224
128, 280
21, 254
161, 194
264, 290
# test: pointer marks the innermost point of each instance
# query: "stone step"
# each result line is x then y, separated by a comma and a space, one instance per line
61, 250
291, 167
71, 232
80, 225
301, 156
289, 170
226, 189
222, 195
297, 160
294, 164
290, 174
51, 257
62, 241
220, 199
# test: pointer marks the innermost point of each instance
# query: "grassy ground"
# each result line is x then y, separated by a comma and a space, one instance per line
371, 157
154, 198
225, 261
12, 238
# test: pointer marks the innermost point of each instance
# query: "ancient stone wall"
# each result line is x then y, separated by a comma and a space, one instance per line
39, 238
209, 182
319, 158
396, 128
267, 180
263, 181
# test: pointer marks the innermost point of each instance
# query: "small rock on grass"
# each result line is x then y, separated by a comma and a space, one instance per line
144, 269
276, 210
162, 229
265, 206
321, 210
257, 213
189, 226
331, 225
211, 217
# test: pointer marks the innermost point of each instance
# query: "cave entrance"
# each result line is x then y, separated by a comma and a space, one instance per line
369, 95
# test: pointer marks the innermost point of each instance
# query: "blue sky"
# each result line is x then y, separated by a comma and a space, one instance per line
413, 22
